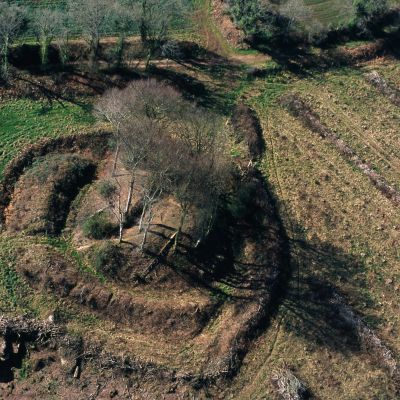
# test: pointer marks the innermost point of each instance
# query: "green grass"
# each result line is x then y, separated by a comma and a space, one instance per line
334, 11
26, 121
330, 11
64, 246
15, 295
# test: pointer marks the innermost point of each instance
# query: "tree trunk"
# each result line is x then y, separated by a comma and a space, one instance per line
94, 48
123, 214
117, 150
44, 48
4, 67
179, 230
120, 50
130, 194
63, 51
149, 55
142, 217
149, 218
121, 227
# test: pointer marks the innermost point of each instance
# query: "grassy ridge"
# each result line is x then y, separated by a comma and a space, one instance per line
25, 121
342, 231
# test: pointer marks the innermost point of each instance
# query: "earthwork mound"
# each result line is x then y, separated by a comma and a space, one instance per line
191, 313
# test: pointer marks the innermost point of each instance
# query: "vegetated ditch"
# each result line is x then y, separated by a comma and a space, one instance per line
43, 194
299, 109
265, 277
63, 280
261, 224
94, 144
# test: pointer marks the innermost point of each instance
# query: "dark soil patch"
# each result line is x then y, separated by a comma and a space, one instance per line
248, 128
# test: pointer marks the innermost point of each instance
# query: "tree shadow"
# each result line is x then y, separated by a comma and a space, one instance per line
311, 306
304, 61
13, 360
222, 73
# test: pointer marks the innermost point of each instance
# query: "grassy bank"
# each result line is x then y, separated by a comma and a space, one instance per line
25, 121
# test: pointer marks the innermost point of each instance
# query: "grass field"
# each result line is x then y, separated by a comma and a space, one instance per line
335, 11
343, 232
331, 11
25, 121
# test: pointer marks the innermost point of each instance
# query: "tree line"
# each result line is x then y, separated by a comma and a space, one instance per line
175, 146
283, 21
89, 20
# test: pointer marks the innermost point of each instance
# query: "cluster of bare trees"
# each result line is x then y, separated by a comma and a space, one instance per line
89, 20
11, 19
179, 147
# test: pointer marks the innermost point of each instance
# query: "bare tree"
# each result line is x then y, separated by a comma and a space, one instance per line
63, 38
144, 99
197, 184
296, 12
92, 18
155, 20
181, 148
124, 22
165, 156
46, 24
11, 18
199, 129
134, 117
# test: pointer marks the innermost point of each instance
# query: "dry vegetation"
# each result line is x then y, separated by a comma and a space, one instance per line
343, 232
294, 293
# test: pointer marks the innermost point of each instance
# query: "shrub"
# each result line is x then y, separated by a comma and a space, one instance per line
108, 259
369, 9
240, 205
107, 190
370, 14
98, 227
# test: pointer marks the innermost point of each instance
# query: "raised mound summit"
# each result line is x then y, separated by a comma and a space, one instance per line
187, 311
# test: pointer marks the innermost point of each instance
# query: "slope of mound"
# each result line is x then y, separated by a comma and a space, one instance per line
42, 196
194, 313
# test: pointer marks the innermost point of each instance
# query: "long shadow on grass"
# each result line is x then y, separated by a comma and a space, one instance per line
311, 310
222, 72
304, 61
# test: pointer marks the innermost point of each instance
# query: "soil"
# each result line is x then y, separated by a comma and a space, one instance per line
188, 301
44, 192
229, 30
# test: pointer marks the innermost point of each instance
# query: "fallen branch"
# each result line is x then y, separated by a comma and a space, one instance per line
163, 252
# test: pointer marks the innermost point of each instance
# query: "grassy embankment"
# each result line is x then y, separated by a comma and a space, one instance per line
24, 121
343, 233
